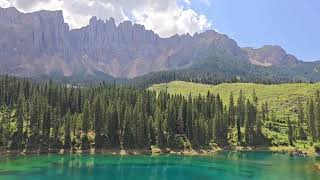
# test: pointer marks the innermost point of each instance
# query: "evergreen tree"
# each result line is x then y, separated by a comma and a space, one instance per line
248, 126
180, 120
240, 115
113, 127
317, 113
46, 129
4, 128
189, 120
56, 123
67, 131
171, 124
128, 140
34, 138
311, 120
98, 123
161, 139
86, 117
18, 137
231, 121
290, 132
302, 134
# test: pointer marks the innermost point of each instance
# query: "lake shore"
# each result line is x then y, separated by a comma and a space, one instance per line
292, 151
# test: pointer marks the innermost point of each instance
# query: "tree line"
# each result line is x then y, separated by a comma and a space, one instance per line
47, 116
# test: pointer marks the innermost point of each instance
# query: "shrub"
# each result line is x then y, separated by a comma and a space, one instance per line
317, 147
212, 145
182, 142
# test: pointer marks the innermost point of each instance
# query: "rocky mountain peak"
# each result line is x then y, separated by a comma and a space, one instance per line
270, 55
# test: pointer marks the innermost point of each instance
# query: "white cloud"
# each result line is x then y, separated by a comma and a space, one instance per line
4, 3
165, 17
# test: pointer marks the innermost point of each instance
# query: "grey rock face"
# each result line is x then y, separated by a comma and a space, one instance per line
41, 43
270, 55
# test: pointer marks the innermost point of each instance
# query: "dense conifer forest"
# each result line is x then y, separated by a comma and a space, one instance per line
44, 116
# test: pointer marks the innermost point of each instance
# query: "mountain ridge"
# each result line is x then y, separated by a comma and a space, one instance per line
42, 43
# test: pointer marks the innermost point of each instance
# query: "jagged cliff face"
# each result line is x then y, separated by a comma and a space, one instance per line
34, 43
41, 43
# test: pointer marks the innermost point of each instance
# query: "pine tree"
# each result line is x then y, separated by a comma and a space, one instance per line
216, 127
264, 112
113, 127
231, 120
259, 126
240, 115
302, 134
196, 134
180, 120
56, 122
128, 140
311, 120
46, 129
34, 138
86, 117
317, 113
290, 132
249, 122
18, 140
161, 139
4, 128
67, 131
189, 119
98, 123
171, 124
224, 128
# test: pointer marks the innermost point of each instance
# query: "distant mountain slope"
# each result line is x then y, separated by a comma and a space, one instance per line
282, 98
270, 55
40, 44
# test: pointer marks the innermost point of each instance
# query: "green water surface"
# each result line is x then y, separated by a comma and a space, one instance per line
226, 165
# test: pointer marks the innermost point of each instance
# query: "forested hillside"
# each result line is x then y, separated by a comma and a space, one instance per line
218, 69
48, 116
282, 99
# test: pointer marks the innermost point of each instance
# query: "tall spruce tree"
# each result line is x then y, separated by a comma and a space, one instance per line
98, 123
180, 120
128, 140
189, 116
18, 139
67, 132
317, 113
311, 120
302, 134
240, 115
290, 132
46, 125
231, 120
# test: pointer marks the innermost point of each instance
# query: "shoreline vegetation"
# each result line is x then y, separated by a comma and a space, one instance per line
289, 150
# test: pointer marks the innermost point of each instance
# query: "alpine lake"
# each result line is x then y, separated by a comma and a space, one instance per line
223, 165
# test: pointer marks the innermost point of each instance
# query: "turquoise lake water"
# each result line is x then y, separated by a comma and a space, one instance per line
226, 165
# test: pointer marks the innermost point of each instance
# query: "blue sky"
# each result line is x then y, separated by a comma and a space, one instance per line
293, 24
